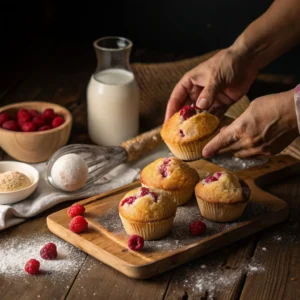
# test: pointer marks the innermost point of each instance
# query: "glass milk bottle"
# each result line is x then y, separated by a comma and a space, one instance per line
112, 94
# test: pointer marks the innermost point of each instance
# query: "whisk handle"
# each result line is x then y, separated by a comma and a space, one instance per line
142, 144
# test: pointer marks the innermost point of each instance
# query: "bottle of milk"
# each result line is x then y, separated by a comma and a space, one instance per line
112, 94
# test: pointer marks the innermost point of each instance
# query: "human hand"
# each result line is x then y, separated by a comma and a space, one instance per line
214, 84
266, 127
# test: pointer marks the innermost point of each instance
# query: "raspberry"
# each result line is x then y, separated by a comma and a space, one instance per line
38, 121
24, 114
181, 133
57, 121
28, 127
135, 243
34, 113
43, 128
164, 167
197, 228
49, 251
145, 191
128, 200
32, 266
187, 112
78, 224
245, 189
48, 114
11, 125
4, 117
75, 210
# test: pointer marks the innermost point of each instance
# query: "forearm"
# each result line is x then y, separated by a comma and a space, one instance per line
271, 35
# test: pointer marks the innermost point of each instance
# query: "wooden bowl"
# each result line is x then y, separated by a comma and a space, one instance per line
35, 147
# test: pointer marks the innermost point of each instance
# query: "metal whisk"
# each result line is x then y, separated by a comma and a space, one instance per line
101, 159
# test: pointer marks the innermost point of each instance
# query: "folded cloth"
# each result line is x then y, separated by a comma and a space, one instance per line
45, 197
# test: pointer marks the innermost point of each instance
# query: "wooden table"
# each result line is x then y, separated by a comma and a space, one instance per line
59, 73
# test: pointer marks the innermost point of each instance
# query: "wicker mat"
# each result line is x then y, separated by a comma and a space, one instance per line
156, 82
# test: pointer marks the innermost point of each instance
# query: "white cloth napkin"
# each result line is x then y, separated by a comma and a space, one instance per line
45, 197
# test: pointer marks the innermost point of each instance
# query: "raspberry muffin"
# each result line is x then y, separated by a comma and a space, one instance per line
222, 197
172, 176
147, 213
188, 131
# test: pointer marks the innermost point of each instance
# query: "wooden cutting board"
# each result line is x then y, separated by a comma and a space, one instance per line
107, 241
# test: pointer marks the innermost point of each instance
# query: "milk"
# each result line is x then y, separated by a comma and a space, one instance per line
113, 107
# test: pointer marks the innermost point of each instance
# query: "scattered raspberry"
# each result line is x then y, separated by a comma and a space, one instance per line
75, 210
48, 114
11, 125
245, 189
43, 128
57, 121
4, 117
32, 266
181, 133
28, 127
197, 228
187, 112
78, 224
34, 113
164, 167
49, 251
128, 200
135, 243
38, 121
24, 114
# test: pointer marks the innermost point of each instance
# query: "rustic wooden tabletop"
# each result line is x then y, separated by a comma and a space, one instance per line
264, 266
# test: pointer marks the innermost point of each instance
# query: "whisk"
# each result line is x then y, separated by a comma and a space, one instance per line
101, 159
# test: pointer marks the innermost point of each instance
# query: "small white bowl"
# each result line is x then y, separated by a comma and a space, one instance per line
29, 171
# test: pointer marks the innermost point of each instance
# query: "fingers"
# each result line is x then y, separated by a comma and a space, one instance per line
178, 97
224, 139
207, 96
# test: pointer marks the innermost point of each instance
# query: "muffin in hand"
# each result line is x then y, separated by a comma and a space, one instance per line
222, 197
170, 175
147, 213
188, 131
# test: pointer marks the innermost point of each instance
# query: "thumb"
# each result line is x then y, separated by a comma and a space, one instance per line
207, 96
225, 138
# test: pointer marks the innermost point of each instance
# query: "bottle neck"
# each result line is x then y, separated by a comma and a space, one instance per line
107, 59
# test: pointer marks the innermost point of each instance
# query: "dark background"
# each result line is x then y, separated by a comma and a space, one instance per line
185, 27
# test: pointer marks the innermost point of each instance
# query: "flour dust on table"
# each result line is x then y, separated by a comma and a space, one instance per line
15, 252
180, 236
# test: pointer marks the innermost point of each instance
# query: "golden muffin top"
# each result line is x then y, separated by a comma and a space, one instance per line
222, 187
144, 205
170, 174
189, 124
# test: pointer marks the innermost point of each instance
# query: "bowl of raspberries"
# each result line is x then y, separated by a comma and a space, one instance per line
32, 131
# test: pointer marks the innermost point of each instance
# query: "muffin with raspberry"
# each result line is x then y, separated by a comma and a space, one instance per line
170, 175
222, 197
146, 213
188, 131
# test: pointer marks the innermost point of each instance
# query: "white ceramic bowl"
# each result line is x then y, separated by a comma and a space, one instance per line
16, 196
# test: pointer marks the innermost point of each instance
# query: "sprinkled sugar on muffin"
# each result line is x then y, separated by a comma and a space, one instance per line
222, 197
147, 213
188, 131
171, 175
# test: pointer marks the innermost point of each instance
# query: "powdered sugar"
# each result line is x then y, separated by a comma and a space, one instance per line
15, 252
180, 236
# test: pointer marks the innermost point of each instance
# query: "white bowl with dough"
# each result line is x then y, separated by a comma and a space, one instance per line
29, 171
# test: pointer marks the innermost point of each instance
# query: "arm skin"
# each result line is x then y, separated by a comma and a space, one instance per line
224, 78
272, 34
